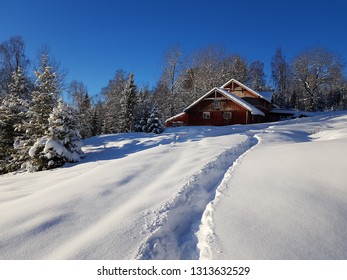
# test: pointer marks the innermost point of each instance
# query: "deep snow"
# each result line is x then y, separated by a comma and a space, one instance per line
265, 191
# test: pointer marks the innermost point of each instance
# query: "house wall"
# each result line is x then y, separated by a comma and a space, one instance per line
239, 115
180, 120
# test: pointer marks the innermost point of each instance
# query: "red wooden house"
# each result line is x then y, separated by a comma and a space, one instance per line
233, 103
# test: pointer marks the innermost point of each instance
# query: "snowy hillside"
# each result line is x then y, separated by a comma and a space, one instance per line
265, 191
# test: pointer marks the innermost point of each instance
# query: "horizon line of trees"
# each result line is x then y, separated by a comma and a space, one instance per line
40, 130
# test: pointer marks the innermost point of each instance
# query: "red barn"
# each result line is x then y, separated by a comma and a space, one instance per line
233, 103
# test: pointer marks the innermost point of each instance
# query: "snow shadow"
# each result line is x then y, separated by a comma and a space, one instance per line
113, 146
47, 225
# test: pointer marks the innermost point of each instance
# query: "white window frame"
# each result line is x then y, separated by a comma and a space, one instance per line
206, 115
227, 115
217, 104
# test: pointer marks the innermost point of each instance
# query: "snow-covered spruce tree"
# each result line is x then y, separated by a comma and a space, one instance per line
12, 114
128, 101
143, 109
154, 122
112, 95
62, 142
142, 125
44, 99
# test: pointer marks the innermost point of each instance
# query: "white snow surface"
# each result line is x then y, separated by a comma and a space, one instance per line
264, 191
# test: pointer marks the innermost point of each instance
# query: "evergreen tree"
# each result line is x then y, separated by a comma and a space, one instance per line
239, 70
142, 125
81, 103
128, 102
112, 94
12, 114
61, 144
97, 119
85, 117
44, 99
257, 76
280, 78
154, 122
143, 110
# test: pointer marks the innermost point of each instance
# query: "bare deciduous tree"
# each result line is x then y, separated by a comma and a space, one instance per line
12, 57
168, 87
313, 69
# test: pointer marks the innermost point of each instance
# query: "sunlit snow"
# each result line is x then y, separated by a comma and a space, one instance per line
263, 191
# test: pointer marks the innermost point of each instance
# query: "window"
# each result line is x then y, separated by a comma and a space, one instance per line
206, 115
216, 104
227, 115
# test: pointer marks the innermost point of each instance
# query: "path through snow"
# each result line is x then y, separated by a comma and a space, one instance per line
178, 220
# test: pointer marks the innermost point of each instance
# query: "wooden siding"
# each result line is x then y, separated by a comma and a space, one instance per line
217, 118
239, 115
180, 120
217, 110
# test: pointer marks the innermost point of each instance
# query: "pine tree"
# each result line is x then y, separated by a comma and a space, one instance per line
239, 70
81, 103
154, 122
257, 76
112, 94
142, 124
12, 113
128, 102
44, 99
61, 144
97, 120
280, 73
86, 118
143, 109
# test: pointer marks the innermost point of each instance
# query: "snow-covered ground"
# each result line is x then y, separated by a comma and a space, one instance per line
265, 191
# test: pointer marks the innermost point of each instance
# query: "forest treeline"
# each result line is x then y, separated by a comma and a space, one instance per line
43, 119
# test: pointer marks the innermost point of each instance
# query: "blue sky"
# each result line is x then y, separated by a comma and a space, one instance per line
95, 38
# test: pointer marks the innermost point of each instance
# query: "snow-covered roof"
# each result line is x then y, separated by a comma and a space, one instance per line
241, 102
253, 110
175, 116
265, 96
